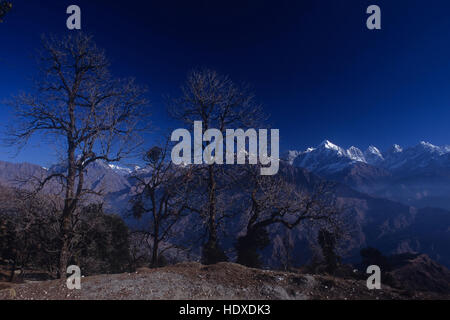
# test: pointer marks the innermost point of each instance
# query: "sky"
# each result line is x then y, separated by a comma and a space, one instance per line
313, 65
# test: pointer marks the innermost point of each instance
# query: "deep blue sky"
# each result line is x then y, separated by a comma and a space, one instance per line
313, 64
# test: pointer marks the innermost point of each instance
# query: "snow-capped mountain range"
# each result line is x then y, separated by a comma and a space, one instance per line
330, 158
417, 175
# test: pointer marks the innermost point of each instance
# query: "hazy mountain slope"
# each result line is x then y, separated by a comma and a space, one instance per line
390, 226
18, 174
100, 177
419, 273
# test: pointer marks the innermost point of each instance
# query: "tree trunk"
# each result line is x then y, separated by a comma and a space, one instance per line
211, 244
67, 213
212, 253
212, 207
64, 253
156, 239
13, 269
155, 253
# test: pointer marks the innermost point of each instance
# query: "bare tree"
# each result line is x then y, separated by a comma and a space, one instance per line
275, 200
28, 229
286, 245
220, 104
163, 196
80, 106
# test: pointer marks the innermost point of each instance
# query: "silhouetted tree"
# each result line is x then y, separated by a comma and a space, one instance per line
372, 256
275, 201
78, 104
248, 247
162, 197
29, 235
285, 250
220, 104
327, 241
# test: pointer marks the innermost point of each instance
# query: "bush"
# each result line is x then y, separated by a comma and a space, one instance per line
327, 242
30, 239
248, 247
213, 253
103, 243
372, 256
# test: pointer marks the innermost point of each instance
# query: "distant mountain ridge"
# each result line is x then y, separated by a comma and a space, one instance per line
417, 175
329, 157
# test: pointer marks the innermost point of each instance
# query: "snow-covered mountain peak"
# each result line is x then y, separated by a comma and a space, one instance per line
327, 157
373, 155
120, 170
427, 144
327, 144
430, 147
355, 154
396, 149
374, 150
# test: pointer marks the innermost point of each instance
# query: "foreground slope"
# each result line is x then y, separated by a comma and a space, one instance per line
195, 281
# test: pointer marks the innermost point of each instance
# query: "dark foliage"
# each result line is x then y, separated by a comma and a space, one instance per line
29, 239
248, 247
104, 246
372, 256
327, 242
212, 253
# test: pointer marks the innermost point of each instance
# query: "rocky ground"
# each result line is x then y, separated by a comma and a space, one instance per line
195, 281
